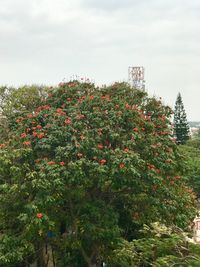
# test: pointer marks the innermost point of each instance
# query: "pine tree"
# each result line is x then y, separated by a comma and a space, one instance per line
181, 126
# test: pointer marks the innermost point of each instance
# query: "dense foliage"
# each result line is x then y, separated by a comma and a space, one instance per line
181, 126
191, 152
83, 170
160, 247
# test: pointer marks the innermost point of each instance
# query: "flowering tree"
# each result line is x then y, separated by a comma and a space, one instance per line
86, 169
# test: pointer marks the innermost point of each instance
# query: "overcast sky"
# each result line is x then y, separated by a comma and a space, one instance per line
44, 41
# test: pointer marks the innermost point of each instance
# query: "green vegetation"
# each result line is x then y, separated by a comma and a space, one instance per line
191, 152
83, 170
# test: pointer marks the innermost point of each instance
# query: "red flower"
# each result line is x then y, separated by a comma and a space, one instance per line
51, 163
30, 116
39, 127
19, 120
68, 121
2, 146
105, 97
102, 161
100, 146
127, 106
80, 116
135, 129
121, 165
26, 143
62, 163
23, 135
150, 166
39, 215
91, 97
34, 133
143, 129
40, 136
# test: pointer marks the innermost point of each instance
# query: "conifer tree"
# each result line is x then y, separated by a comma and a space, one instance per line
181, 126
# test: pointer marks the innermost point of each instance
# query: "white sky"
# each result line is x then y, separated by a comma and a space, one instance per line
44, 41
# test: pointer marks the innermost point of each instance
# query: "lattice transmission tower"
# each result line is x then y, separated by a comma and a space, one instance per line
136, 77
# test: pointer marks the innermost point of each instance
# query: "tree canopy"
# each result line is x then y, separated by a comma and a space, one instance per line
84, 170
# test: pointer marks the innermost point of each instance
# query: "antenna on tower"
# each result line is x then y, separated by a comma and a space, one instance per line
136, 77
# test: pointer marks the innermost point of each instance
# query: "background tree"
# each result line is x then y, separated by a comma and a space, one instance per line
181, 126
191, 155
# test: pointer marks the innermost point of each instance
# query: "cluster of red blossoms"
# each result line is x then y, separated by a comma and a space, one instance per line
45, 107
121, 165
62, 163
2, 146
39, 215
68, 121
23, 135
60, 112
102, 161
26, 143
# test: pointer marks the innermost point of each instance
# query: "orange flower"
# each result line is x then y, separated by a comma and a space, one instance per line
135, 129
23, 135
40, 136
30, 116
80, 116
39, 215
68, 121
2, 146
105, 97
121, 165
18, 120
26, 143
128, 106
51, 163
102, 162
